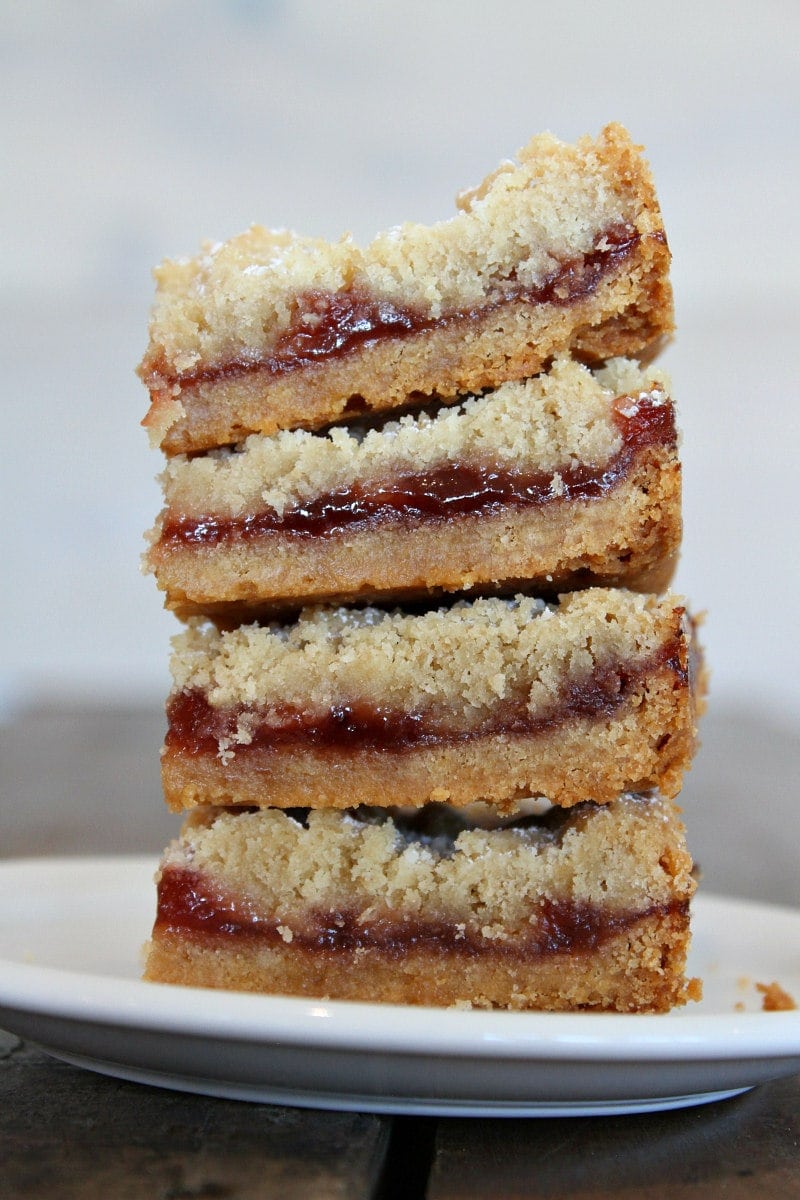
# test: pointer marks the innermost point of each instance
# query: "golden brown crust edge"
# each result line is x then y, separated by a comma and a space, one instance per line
639, 970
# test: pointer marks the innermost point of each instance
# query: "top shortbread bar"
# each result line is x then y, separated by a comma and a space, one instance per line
564, 249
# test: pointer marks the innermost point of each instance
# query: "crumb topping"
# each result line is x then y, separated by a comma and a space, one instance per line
627, 854
466, 657
557, 419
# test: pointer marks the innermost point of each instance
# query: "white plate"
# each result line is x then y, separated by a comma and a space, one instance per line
70, 938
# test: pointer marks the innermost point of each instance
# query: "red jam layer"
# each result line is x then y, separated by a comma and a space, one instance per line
195, 727
346, 321
452, 489
189, 903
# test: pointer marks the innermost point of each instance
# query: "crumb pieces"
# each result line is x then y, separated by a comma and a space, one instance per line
694, 989
775, 999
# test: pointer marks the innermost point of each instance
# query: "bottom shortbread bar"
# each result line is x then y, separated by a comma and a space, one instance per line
580, 909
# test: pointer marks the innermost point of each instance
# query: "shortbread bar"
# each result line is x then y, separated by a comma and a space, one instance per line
578, 909
490, 700
564, 480
269, 331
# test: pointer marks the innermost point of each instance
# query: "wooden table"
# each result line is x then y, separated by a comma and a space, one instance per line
87, 782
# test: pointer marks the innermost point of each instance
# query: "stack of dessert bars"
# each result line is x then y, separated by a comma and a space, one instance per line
432, 703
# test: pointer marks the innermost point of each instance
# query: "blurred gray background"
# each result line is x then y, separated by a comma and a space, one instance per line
133, 131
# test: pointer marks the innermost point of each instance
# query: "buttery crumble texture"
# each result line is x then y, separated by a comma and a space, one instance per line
485, 889
523, 221
463, 658
553, 420
487, 878
218, 317
505, 698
